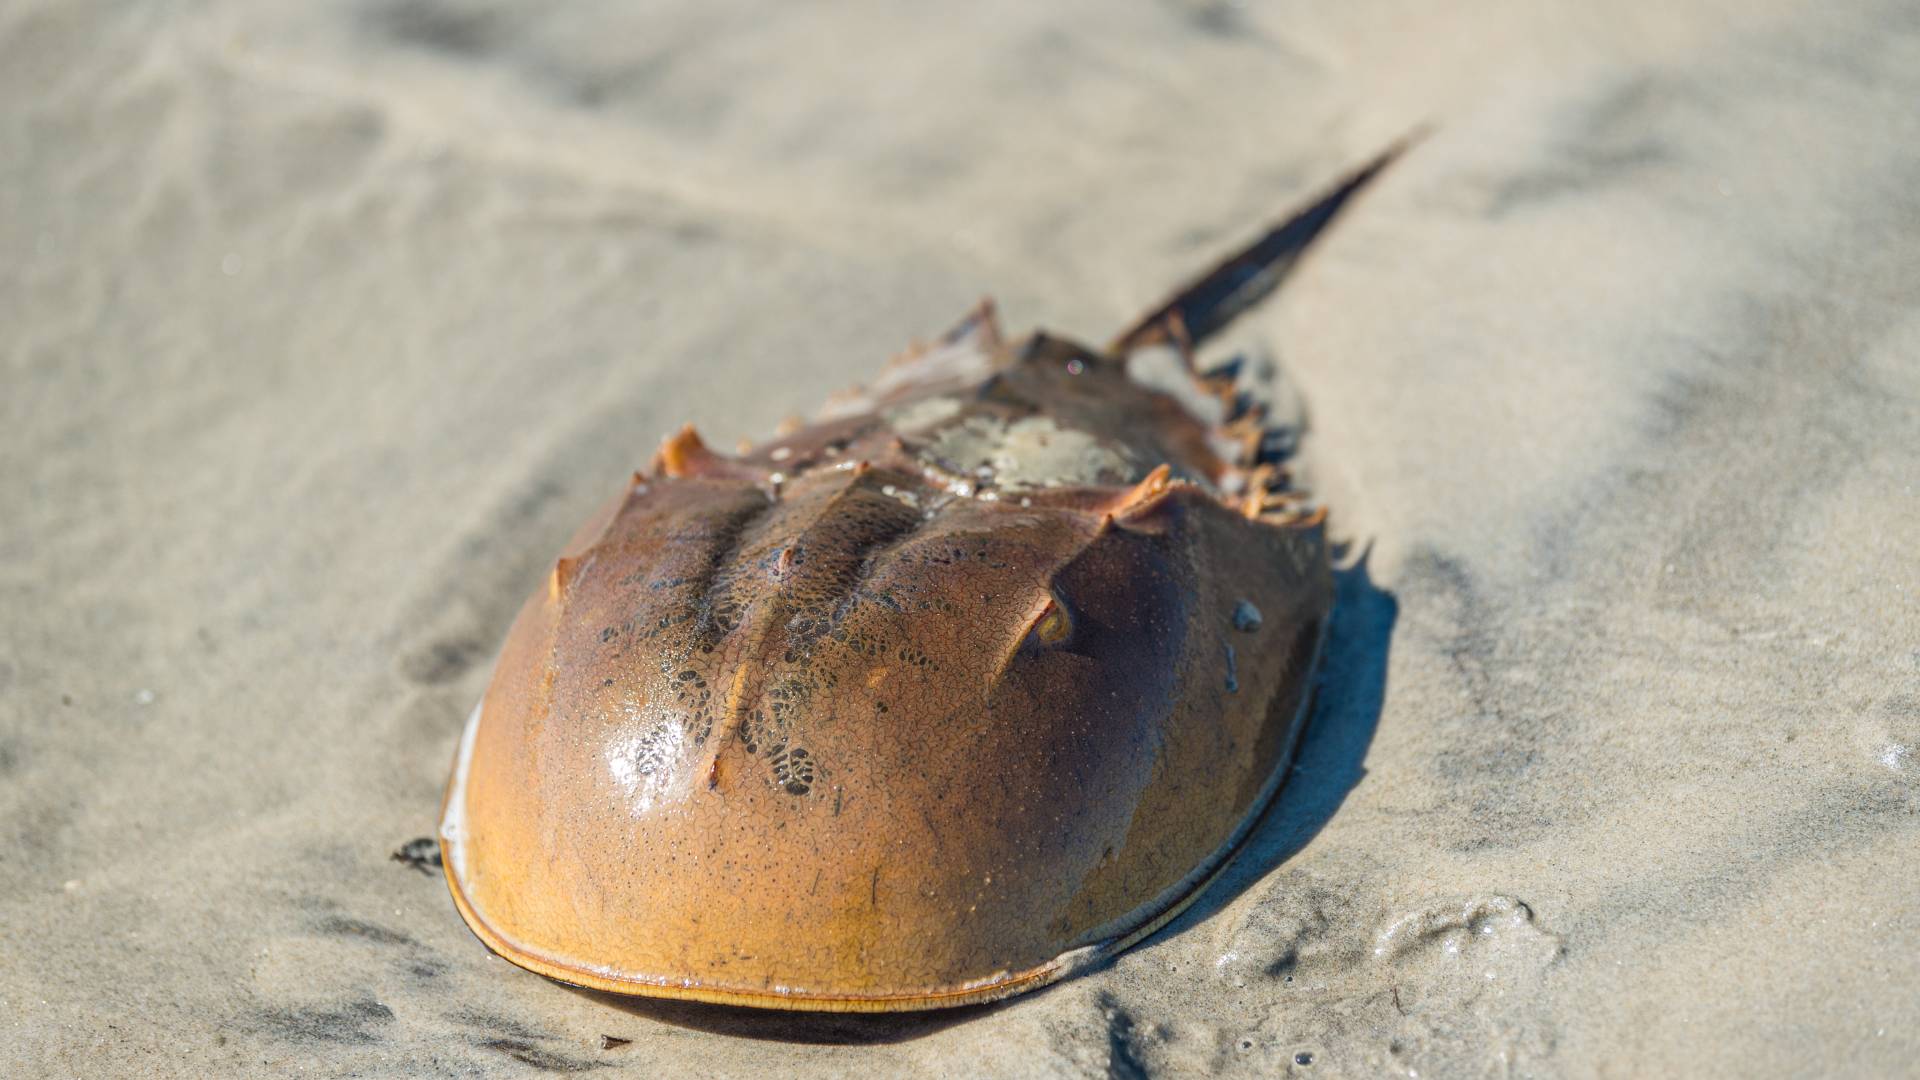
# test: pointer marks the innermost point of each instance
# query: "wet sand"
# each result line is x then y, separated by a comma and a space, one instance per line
324, 324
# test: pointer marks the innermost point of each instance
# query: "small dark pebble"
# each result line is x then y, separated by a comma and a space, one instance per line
610, 1042
422, 853
1303, 1058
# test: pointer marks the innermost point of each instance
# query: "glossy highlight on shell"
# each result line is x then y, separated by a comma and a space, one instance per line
974, 680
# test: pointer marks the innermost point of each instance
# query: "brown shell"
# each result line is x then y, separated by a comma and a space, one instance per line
973, 682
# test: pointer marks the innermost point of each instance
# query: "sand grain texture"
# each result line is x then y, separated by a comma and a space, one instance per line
322, 324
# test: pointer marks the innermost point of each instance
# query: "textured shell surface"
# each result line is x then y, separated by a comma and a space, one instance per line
975, 680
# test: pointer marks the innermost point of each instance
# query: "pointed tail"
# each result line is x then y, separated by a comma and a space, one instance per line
1208, 304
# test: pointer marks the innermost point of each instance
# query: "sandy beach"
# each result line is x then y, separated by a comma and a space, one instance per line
322, 325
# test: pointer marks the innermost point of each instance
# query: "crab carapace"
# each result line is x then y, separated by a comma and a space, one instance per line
975, 680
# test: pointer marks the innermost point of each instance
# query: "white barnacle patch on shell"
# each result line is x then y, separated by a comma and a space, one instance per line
1026, 454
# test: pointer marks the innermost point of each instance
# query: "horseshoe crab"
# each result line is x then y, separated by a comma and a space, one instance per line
974, 681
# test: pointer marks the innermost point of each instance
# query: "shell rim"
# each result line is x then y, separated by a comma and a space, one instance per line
1168, 905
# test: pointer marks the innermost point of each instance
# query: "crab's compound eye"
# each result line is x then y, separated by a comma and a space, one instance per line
1053, 625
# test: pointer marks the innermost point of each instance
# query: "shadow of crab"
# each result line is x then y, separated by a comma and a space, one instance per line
816, 1028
